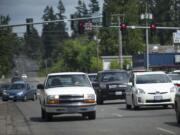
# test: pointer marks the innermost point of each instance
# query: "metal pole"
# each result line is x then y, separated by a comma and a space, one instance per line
120, 44
147, 39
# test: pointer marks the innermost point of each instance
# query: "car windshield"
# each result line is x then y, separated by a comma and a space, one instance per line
114, 76
152, 78
174, 76
18, 86
92, 77
67, 81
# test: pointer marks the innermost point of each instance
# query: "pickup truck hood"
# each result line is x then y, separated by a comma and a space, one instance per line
70, 91
154, 87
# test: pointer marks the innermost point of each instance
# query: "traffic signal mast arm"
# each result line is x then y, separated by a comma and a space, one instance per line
144, 27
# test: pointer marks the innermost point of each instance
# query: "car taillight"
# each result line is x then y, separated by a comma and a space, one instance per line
177, 84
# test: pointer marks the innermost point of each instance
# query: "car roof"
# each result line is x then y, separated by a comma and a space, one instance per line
92, 74
151, 72
19, 82
66, 73
112, 70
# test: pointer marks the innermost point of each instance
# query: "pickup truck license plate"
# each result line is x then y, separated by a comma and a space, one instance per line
157, 97
118, 93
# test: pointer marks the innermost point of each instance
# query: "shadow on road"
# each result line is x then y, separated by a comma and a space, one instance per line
174, 124
59, 119
113, 102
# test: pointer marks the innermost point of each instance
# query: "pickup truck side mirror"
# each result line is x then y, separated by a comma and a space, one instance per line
40, 86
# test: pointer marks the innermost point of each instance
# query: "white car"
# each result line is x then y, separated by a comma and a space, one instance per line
149, 89
175, 79
66, 93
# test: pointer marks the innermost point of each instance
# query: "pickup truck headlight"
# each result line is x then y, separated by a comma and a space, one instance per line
89, 98
53, 99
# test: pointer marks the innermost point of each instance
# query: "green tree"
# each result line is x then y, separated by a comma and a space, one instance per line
8, 45
94, 6
132, 39
49, 32
33, 44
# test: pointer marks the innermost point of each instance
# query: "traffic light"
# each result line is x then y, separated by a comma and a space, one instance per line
152, 26
123, 26
106, 19
81, 26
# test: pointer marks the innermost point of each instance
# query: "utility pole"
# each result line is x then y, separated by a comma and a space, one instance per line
119, 38
147, 39
120, 44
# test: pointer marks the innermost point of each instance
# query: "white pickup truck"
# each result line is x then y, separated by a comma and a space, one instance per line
67, 93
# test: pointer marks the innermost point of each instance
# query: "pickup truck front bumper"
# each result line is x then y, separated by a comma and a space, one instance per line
69, 109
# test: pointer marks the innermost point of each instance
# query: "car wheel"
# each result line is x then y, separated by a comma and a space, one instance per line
92, 115
34, 97
128, 106
165, 106
135, 107
177, 114
99, 101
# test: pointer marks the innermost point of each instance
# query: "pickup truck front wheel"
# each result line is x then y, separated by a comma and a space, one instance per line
45, 115
92, 115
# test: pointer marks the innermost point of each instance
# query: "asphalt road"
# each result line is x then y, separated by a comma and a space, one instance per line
112, 119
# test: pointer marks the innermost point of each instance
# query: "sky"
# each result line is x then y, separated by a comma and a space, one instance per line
19, 10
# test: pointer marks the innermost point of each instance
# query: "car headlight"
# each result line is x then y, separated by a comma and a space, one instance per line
20, 93
53, 99
4, 92
140, 91
102, 86
89, 98
173, 89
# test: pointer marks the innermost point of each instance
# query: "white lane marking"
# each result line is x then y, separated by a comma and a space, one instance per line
167, 131
118, 115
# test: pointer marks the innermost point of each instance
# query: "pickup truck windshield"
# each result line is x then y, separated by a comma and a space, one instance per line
67, 81
152, 78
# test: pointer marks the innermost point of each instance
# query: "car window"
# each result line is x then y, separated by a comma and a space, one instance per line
17, 86
67, 81
174, 76
152, 78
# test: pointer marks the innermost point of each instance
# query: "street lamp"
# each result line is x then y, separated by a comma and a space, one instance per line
147, 16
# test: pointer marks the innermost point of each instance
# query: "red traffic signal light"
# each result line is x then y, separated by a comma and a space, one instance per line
152, 26
81, 27
123, 26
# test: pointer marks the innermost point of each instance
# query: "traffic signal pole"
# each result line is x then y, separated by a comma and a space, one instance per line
120, 44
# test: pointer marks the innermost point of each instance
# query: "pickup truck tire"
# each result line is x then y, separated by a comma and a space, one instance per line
92, 115
45, 115
42, 113
128, 106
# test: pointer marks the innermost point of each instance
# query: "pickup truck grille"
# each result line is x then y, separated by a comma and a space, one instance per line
71, 98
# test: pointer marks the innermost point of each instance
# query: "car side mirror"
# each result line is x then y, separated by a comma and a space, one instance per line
40, 86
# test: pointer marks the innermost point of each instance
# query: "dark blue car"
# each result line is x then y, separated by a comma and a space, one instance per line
19, 90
